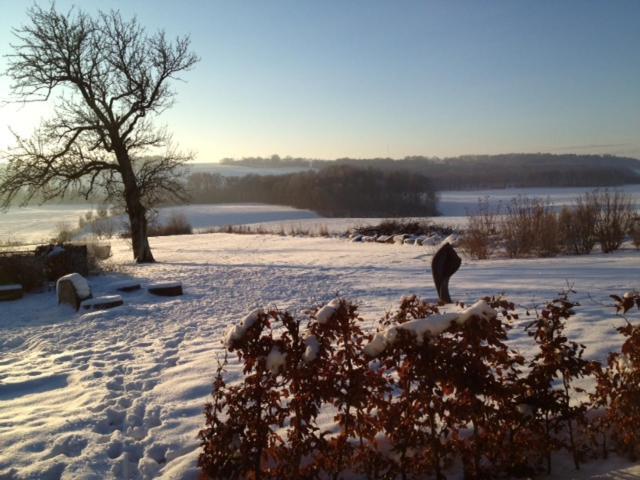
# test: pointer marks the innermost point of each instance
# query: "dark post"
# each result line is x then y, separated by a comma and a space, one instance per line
444, 264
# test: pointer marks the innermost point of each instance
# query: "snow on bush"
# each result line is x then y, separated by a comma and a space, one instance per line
276, 360
444, 390
311, 348
428, 326
236, 333
325, 313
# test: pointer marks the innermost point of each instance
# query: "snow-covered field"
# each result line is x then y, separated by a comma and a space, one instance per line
119, 393
460, 203
34, 224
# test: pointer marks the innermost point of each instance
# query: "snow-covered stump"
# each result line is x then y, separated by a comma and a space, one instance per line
167, 289
102, 303
72, 289
11, 292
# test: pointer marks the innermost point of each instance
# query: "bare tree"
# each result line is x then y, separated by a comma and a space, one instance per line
111, 80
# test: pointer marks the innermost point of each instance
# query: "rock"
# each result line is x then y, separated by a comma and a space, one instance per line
409, 240
356, 238
168, 289
444, 264
400, 238
10, 292
431, 240
420, 239
72, 289
385, 239
102, 303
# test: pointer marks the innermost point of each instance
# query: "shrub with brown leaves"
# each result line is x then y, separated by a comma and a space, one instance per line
618, 388
550, 382
426, 390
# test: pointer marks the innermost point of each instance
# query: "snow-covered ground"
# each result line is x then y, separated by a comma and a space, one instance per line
119, 393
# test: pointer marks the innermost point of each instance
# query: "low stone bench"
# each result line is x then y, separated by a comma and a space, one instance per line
126, 286
166, 289
72, 289
10, 292
102, 303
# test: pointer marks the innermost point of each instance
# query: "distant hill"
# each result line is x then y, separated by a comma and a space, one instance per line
485, 171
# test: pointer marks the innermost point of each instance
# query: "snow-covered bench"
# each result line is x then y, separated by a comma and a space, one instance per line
166, 289
10, 292
74, 290
102, 303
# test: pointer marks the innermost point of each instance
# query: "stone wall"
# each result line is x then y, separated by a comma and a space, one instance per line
63, 259
23, 268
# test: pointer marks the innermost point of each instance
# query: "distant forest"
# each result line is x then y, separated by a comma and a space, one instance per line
487, 171
384, 187
333, 191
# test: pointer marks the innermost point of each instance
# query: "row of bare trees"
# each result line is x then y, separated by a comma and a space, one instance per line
532, 227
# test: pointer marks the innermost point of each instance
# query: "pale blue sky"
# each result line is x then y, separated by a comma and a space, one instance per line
327, 79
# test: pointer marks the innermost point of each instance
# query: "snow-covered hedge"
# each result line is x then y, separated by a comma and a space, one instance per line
429, 393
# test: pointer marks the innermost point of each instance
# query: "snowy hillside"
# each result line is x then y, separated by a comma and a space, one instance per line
119, 393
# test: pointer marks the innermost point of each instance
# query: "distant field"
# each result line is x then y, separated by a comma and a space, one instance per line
460, 203
34, 224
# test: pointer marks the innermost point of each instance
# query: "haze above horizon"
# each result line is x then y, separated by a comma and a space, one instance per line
371, 78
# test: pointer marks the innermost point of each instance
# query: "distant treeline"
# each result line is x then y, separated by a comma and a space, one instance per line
334, 191
488, 171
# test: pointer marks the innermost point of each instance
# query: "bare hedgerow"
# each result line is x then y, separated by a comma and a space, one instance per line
176, 224
479, 239
64, 233
530, 226
546, 231
634, 232
615, 214
578, 226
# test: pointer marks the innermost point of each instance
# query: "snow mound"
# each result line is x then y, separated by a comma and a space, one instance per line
428, 326
237, 332
325, 313
79, 283
479, 309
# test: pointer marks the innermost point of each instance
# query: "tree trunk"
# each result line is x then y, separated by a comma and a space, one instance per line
140, 241
136, 211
